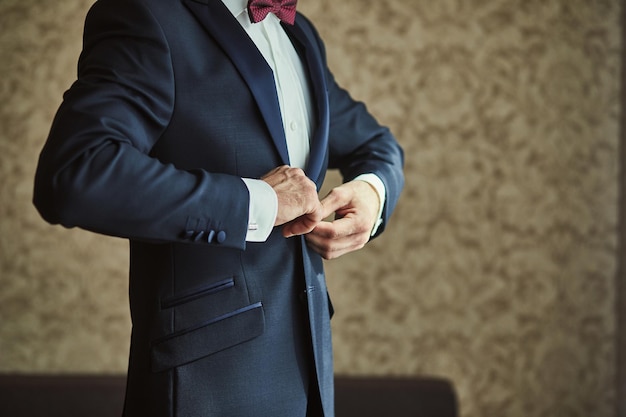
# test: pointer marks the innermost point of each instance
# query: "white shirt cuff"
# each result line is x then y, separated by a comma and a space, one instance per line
262, 210
377, 184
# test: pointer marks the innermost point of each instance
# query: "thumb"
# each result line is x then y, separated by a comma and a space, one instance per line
336, 199
299, 226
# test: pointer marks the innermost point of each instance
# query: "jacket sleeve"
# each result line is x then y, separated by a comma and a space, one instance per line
358, 144
95, 170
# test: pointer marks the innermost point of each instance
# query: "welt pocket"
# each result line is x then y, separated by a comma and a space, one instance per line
204, 339
195, 293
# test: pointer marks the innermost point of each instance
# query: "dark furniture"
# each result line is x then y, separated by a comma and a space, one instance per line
394, 397
103, 396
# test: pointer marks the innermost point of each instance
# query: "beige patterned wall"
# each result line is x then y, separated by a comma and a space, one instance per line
498, 271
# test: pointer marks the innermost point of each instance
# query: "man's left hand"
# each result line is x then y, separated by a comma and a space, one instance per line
355, 205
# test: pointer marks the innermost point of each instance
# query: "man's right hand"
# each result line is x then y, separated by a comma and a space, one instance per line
299, 208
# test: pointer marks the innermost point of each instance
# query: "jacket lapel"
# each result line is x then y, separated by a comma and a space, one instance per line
219, 22
303, 41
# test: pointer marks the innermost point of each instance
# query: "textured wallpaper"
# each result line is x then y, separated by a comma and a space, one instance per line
498, 270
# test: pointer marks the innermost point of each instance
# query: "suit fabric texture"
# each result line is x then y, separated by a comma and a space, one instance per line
172, 106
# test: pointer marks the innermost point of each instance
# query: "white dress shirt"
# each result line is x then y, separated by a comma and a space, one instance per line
295, 105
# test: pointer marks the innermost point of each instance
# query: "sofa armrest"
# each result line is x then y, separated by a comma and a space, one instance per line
394, 396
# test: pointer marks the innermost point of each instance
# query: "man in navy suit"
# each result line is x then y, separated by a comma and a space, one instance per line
203, 137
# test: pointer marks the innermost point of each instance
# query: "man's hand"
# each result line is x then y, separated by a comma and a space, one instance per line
355, 205
299, 208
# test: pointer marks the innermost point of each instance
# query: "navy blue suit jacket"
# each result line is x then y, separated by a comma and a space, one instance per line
172, 106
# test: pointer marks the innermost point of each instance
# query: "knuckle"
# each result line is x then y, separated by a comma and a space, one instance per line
280, 170
326, 253
340, 191
337, 194
333, 234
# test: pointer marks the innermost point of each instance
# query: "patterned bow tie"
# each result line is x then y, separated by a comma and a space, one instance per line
285, 10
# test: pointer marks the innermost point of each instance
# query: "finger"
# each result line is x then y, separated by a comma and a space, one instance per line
305, 223
334, 248
299, 226
336, 199
269, 177
326, 254
336, 229
333, 239
330, 236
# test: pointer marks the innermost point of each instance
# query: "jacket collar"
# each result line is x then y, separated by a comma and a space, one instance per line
236, 7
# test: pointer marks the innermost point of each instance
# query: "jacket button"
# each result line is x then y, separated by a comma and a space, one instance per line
188, 234
221, 236
198, 236
210, 236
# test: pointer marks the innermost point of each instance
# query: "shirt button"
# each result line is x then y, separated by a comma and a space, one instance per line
293, 126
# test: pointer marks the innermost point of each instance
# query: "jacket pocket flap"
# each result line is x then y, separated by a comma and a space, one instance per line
217, 334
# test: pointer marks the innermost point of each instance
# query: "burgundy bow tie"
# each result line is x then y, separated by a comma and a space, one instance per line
285, 10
